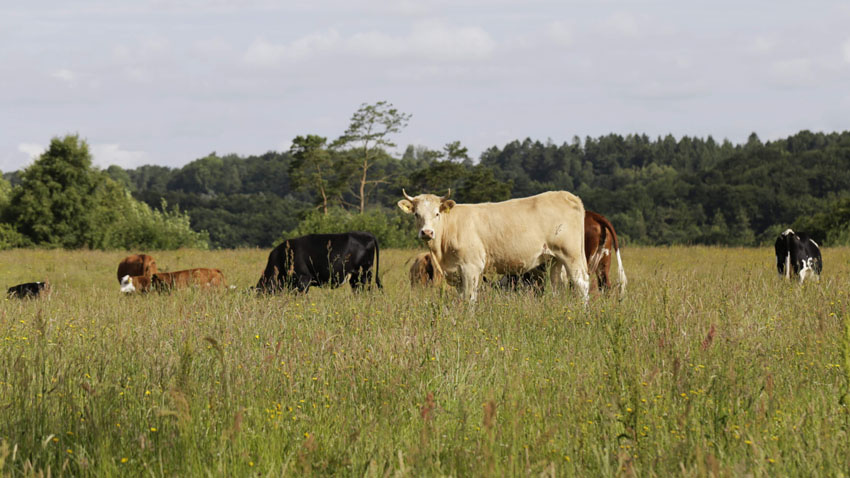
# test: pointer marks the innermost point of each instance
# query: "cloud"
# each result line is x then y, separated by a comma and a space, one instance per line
623, 24
67, 76
794, 72
846, 50
108, 154
32, 150
440, 42
762, 44
264, 53
432, 41
559, 34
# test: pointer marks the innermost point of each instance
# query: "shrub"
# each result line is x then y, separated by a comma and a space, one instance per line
393, 229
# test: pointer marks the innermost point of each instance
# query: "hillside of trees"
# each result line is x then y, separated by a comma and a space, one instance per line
655, 191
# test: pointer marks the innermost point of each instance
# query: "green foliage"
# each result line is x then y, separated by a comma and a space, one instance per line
141, 227
830, 227
481, 186
10, 238
686, 191
390, 228
56, 203
368, 136
313, 167
63, 202
656, 191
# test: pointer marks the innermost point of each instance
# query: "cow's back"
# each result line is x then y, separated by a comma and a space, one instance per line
513, 234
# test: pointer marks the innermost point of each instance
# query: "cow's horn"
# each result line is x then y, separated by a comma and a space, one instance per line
406, 195
448, 195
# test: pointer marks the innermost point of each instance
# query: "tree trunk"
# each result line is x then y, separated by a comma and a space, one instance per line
363, 187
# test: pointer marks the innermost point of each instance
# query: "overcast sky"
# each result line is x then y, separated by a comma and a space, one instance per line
166, 82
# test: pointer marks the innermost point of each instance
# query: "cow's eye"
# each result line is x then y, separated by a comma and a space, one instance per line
438, 214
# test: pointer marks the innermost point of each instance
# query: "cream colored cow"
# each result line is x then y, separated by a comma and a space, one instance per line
511, 237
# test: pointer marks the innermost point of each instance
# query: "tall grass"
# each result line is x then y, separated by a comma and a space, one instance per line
710, 364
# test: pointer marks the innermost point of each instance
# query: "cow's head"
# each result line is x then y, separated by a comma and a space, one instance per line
428, 210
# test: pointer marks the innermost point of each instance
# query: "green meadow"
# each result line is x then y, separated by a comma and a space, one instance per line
710, 365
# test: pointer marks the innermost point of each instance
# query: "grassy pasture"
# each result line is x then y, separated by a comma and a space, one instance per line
711, 365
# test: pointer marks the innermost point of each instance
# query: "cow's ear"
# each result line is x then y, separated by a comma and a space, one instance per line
406, 206
447, 206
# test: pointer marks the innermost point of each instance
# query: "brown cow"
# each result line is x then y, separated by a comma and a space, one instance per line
203, 277
423, 272
131, 284
599, 240
136, 265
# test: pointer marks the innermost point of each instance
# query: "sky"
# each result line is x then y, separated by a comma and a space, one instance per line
166, 82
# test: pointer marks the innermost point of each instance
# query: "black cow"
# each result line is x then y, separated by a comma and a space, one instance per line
318, 259
29, 289
797, 252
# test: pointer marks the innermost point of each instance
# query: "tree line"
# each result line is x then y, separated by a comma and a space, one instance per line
657, 191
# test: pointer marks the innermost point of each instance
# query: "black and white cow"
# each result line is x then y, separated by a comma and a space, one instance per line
318, 259
797, 253
29, 289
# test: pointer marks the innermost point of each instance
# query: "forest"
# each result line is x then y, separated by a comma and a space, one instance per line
656, 191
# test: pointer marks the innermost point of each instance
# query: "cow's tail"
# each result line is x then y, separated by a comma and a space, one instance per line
377, 265
621, 272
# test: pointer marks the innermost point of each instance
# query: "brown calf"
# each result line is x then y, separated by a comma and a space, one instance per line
423, 272
131, 284
203, 277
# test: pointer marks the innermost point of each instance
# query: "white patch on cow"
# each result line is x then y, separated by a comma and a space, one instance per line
815, 243
593, 263
809, 270
583, 284
621, 273
127, 285
806, 270
787, 232
606, 252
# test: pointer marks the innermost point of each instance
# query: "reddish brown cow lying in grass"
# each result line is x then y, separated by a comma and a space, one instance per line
135, 284
202, 277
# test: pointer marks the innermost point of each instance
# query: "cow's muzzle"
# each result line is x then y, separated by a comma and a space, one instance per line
426, 234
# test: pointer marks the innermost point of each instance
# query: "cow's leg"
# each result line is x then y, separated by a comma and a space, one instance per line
470, 274
576, 269
557, 276
602, 273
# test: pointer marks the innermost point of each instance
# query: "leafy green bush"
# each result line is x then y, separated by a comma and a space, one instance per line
393, 229
10, 238
63, 201
141, 227
831, 227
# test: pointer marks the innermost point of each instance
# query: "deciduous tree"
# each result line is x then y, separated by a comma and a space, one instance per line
367, 135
